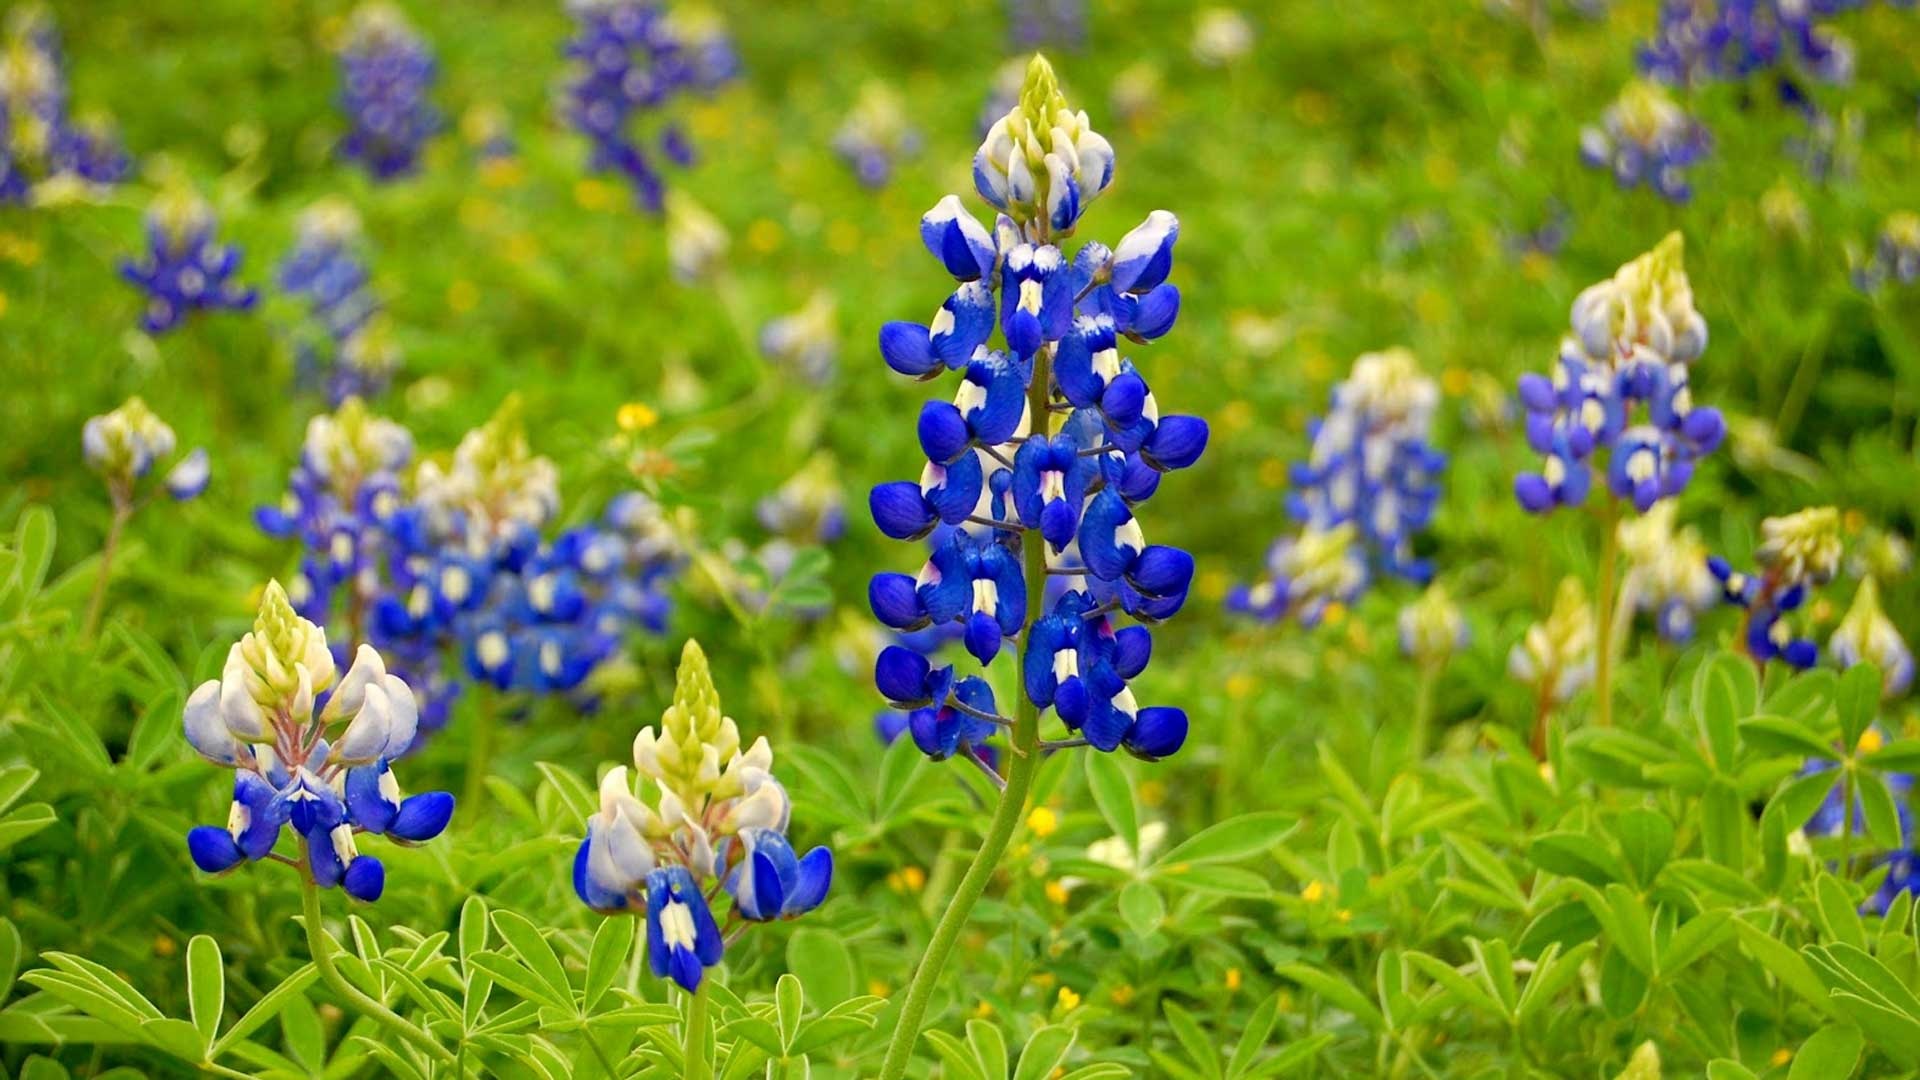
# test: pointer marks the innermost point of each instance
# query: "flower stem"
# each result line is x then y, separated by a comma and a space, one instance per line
1603, 612
479, 751
1846, 819
122, 510
694, 1063
1423, 710
1007, 813
322, 951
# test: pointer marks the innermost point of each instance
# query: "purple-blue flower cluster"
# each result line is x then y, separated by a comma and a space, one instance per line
1797, 553
631, 60
185, 269
41, 141
1620, 398
310, 752
1366, 491
386, 73
1645, 137
1044, 455
348, 346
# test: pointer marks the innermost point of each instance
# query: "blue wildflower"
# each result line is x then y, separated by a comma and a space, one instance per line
1797, 553
185, 269
350, 347
876, 136
46, 153
386, 72
1644, 137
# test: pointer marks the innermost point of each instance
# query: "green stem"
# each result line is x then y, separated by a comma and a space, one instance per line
322, 951
479, 752
1603, 611
1423, 710
1022, 762
96, 604
1846, 819
694, 1063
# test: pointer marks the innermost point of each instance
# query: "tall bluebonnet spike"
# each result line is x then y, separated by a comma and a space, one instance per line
349, 345
185, 270
1797, 552
631, 62
386, 72
46, 152
1646, 138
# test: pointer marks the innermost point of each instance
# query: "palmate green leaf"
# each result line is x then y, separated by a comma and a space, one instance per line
1723, 824
1784, 963
10, 950
532, 948
958, 1056
1336, 991
1831, 1054
1195, 1041
516, 977
1898, 756
989, 1047
206, 986
1699, 936
1553, 972
1784, 737
14, 782
1891, 1032
1046, 1049
265, 1009
1566, 926
1489, 868
23, 821
1458, 986
1646, 839
576, 796
1725, 692
1839, 914
1806, 698
33, 539
1575, 855
606, 957
1699, 876
108, 982
1142, 908
1881, 813
1253, 1037
1112, 792
789, 1001
1857, 701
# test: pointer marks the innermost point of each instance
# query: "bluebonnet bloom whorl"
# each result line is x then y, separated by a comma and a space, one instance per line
1698, 41
1866, 635
124, 445
1896, 254
1645, 137
876, 135
309, 751
717, 820
1049, 446
349, 345
1555, 657
386, 72
1620, 398
631, 60
1797, 553
1367, 489
1432, 628
809, 507
185, 269
46, 154
806, 340
1667, 576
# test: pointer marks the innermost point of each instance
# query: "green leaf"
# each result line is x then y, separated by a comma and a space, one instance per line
1646, 839
958, 1056
206, 986
1198, 1045
176, 1037
473, 928
823, 963
1728, 1069
503, 970
612, 944
1700, 935
9, 956
1831, 1054
526, 941
33, 541
1046, 1048
1898, 756
1575, 855
1723, 824
1807, 698
789, 1001
1461, 988
1724, 693
1253, 1037
1142, 907
1883, 816
1785, 964
266, 1008
14, 782
1782, 737
23, 822
1113, 794
1839, 911
1235, 838
1336, 990
1632, 929
1857, 700
1799, 799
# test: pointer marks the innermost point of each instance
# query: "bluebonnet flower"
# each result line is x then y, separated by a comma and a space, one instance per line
386, 72
185, 269
46, 153
806, 340
631, 60
308, 751
1043, 455
1556, 657
1729, 40
350, 347
1432, 628
1903, 875
1367, 489
1867, 635
717, 821
1896, 254
1797, 553
876, 135
124, 445
1032, 24
1622, 385
1644, 137
1667, 576
809, 507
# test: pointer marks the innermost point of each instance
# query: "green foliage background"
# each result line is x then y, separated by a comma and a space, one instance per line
1357, 181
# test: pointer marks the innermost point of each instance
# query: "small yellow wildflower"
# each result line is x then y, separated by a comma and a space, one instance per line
914, 878
878, 988
1233, 979
1313, 892
1343, 915
1043, 979
164, 946
1870, 742
1121, 995
636, 416
1069, 1000
984, 1009
1780, 1058
1043, 822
